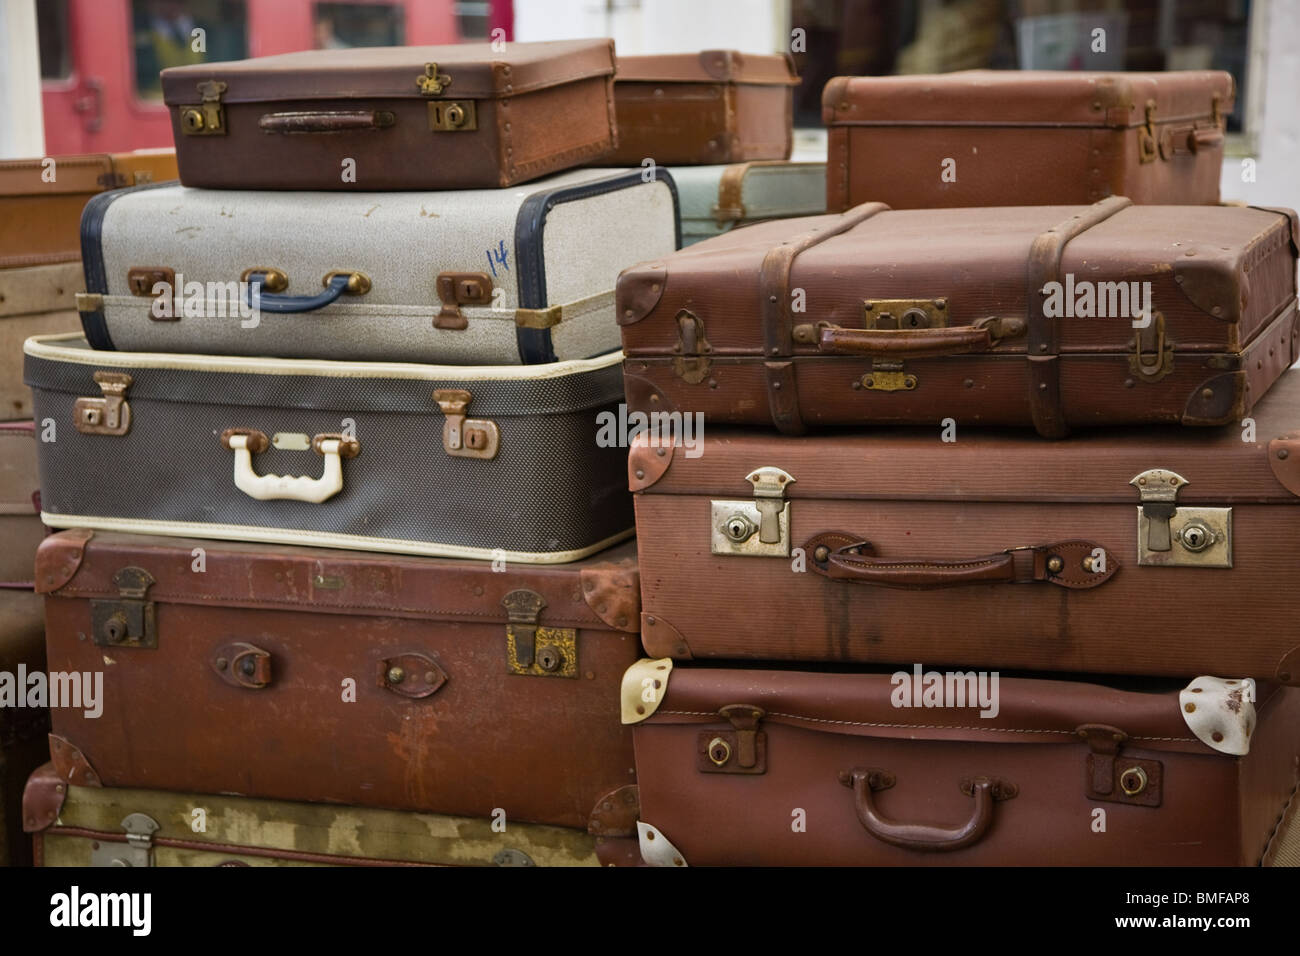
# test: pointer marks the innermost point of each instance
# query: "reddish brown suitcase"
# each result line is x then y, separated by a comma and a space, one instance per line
447, 686
380, 118
1000, 316
1000, 138
780, 768
24, 720
1135, 551
718, 106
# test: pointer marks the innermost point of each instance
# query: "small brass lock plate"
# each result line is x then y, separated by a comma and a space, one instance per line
717, 751
1131, 780
465, 437
460, 288
555, 652
128, 621
888, 378
109, 414
207, 118
452, 116
758, 527
1199, 538
905, 314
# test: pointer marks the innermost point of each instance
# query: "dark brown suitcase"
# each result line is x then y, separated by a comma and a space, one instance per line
447, 686
781, 768
1001, 138
24, 721
1136, 551
380, 118
1000, 316
714, 107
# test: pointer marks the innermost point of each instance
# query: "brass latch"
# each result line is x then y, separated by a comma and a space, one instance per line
460, 288
743, 749
452, 116
1170, 536
431, 82
757, 528
1115, 778
142, 280
887, 375
129, 620
208, 118
691, 363
1147, 151
136, 851
534, 650
108, 415
905, 313
461, 436
1153, 351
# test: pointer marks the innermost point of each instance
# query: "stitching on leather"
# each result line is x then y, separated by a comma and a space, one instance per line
867, 563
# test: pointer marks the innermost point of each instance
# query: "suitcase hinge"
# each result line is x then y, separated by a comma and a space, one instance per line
109, 414
757, 528
691, 363
743, 749
460, 288
431, 82
1147, 150
208, 118
1153, 351
136, 851
128, 621
1116, 778
1170, 536
465, 437
531, 649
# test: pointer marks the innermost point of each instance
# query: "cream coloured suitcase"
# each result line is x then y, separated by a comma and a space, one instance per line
522, 275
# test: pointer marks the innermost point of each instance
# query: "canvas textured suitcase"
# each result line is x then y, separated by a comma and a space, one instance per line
429, 117
459, 461
34, 300
717, 106
24, 720
784, 768
1051, 316
20, 507
91, 825
991, 550
484, 277
1001, 138
462, 687
717, 199
41, 199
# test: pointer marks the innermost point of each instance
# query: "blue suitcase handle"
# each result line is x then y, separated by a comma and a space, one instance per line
336, 284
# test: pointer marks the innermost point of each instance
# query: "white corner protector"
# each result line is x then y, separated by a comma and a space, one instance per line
655, 848
1221, 713
644, 686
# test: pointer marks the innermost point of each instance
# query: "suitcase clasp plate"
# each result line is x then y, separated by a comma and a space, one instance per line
759, 527
129, 620
108, 415
465, 437
533, 650
431, 82
1171, 536
207, 118
136, 851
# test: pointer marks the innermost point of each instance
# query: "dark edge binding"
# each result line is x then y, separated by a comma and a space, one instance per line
92, 260
535, 344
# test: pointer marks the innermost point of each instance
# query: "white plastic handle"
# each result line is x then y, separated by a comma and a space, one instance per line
298, 488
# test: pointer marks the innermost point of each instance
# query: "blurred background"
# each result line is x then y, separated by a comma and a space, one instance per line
82, 75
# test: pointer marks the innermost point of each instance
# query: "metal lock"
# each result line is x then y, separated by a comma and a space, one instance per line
905, 313
531, 649
759, 527
208, 118
1153, 351
691, 360
1173, 536
1133, 780
461, 436
452, 116
719, 751
743, 749
1115, 778
106, 415
460, 288
129, 621
136, 851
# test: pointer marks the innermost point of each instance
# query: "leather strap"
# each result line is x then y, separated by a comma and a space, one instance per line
844, 557
778, 321
912, 343
1044, 343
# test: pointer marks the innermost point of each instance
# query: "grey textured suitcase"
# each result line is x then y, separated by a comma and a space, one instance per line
718, 199
476, 462
459, 277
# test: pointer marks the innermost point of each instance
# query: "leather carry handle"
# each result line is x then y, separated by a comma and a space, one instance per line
336, 284
1190, 139
325, 121
917, 343
923, 836
1071, 564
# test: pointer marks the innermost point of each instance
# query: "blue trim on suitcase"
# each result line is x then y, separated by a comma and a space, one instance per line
535, 345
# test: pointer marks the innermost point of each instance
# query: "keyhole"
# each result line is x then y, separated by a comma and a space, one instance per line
739, 527
719, 751
115, 628
549, 658
1195, 537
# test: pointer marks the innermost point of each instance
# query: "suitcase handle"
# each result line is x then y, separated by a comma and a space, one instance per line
1190, 139
336, 284
1071, 564
924, 836
245, 442
325, 121
980, 336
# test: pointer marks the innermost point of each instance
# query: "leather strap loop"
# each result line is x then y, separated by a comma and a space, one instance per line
904, 343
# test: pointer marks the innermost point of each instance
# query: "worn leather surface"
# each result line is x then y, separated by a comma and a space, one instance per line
542, 748
819, 725
22, 729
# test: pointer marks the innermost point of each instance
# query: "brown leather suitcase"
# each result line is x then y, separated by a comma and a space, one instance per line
20, 507
438, 685
717, 106
783, 768
1133, 551
380, 118
1055, 316
24, 720
1000, 138
41, 199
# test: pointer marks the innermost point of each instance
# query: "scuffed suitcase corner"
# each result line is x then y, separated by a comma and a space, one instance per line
1219, 400
1284, 460
1288, 667
613, 824
43, 798
660, 638
613, 591
638, 291
643, 688
646, 464
71, 764
657, 849
59, 558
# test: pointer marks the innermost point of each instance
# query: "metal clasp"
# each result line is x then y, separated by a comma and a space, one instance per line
756, 528
460, 288
743, 749
208, 118
129, 620
1115, 778
531, 649
136, 851
1147, 151
108, 415
1173, 536
1153, 352
691, 361
461, 436
431, 82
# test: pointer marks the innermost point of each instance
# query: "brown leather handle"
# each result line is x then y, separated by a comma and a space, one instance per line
325, 121
1190, 139
904, 343
924, 836
1072, 564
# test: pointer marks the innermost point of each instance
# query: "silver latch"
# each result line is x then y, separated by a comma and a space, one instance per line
137, 849
1173, 536
756, 528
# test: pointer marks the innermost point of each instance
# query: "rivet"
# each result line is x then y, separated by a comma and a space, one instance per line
650, 620
821, 553
969, 383
640, 473
1283, 454
1129, 383
1190, 708
1043, 347
1207, 393
1055, 564
660, 452
776, 386
222, 663
396, 675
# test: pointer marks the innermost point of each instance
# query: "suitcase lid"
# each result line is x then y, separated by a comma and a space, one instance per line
463, 70
1257, 462
56, 175
1026, 98
600, 592
708, 66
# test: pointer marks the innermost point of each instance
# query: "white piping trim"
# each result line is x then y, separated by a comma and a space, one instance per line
49, 347
323, 539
